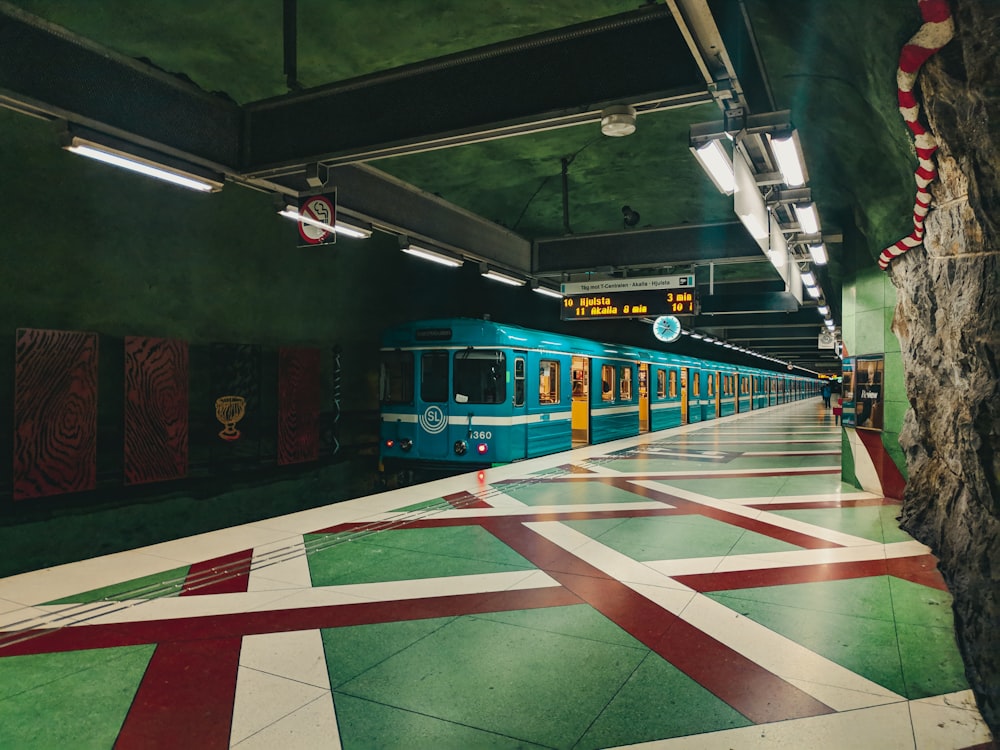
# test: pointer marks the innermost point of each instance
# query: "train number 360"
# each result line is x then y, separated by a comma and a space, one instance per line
481, 434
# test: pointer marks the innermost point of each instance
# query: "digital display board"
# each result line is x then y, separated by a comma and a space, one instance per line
628, 304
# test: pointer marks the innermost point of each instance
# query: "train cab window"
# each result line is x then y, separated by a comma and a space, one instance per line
480, 376
673, 384
625, 385
607, 382
519, 381
696, 384
548, 382
395, 378
661, 383
434, 376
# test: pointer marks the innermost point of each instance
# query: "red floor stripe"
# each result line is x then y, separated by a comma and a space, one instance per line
748, 579
919, 569
220, 575
756, 693
465, 499
221, 627
186, 698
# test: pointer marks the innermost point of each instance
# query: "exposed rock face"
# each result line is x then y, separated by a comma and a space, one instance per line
948, 323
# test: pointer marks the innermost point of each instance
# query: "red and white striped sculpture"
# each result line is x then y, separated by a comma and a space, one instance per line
936, 31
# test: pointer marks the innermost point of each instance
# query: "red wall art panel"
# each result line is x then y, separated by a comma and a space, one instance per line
55, 412
156, 409
298, 405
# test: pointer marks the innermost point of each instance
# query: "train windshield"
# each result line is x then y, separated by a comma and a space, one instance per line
480, 376
395, 382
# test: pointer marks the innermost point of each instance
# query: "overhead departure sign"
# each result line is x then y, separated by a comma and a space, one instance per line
636, 284
628, 304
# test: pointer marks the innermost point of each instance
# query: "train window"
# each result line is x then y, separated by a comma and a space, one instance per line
395, 381
434, 376
711, 384
625, 386
480, 376
607, 382
696, 384
673, 384
519, 381
661, 383
745, 386
548, 382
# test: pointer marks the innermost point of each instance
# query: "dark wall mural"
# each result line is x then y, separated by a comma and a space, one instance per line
156, 409
298, 405
55, 412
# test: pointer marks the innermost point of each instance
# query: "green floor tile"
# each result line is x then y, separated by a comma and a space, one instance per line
577, 620
368, 725
70, 700
865, 645
570, 493
408, 554
932, 664
350, 651
677, 537
863, 521
464, 673
659, 702
158, 585
916, 604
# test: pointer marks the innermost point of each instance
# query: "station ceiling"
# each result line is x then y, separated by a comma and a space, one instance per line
479, 124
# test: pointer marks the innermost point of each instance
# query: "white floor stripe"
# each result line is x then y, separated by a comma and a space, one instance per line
294, 597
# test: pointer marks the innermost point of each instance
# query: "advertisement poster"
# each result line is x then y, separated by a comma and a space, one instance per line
868, 372
847, 390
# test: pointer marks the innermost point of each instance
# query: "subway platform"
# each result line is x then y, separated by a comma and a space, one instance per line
713, 586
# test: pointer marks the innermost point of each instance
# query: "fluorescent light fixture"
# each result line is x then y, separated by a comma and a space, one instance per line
503, 278
823, 310
716, 162
359, 230
719, 343
808, 279
818, 253
786, 151
697, 336
292, 212
126, 159
435, 255
547, 291
808, 218
813, 291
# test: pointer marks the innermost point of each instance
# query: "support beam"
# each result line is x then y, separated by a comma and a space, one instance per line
534, 83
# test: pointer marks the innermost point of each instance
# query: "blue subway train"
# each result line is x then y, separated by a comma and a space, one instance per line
462, 393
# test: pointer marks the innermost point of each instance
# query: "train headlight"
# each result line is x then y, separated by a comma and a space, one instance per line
460, 447
482, 448
406, 444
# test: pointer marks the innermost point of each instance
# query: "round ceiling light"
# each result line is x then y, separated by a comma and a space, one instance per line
618, 121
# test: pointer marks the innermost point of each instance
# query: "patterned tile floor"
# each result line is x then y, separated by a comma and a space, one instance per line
715, 586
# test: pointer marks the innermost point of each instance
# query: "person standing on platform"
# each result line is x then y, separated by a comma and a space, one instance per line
838, 409
826, 395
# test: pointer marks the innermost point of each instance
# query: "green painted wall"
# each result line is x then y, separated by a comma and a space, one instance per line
868, 303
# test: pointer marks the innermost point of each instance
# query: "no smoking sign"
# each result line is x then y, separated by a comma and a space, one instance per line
318, 218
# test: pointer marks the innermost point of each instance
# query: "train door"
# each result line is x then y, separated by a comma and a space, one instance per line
684, 395
580, 414
432, 404
643, 397
519, 423
718, 393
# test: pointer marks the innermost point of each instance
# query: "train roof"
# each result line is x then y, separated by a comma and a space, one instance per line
459, 332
